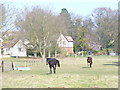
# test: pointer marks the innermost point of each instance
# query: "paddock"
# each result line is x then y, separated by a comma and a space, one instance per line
73, 73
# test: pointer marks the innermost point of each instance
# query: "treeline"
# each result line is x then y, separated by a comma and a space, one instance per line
42, 27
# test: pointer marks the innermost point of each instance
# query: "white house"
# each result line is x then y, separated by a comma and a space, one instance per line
15, 49
66, 43
1, 47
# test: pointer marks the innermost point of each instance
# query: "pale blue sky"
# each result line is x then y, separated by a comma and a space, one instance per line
80, 7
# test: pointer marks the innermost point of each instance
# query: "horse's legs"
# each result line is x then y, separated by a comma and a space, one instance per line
50, 69
54, 68
90, 65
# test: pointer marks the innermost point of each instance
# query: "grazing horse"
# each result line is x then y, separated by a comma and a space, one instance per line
89, 60
52, 63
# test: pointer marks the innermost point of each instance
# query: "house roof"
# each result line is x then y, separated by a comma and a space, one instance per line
1, 40
69, 38
10, 43
1, 43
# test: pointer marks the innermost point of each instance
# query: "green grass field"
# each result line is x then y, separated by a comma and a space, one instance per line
73, 73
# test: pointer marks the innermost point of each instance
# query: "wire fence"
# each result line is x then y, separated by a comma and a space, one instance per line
11, 65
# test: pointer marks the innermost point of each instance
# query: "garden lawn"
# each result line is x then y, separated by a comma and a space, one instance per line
73, 73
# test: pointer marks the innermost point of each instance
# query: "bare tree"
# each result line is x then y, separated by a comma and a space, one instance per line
40, 27
7, 17
106, 25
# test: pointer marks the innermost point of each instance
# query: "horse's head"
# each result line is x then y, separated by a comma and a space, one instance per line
89, 59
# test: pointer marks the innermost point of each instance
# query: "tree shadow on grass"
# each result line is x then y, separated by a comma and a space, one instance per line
114, 64
44, 74
48, 73
85, 67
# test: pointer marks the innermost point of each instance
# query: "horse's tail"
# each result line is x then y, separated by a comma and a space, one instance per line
58, 63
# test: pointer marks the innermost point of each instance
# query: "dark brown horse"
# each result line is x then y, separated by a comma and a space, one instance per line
89, 60
52, 63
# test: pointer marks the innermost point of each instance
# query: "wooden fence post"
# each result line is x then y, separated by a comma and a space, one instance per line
13, 66
2, 66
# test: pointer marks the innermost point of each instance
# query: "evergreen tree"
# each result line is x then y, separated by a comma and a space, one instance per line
66, 17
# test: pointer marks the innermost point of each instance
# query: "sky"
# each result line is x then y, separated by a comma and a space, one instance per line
78, 7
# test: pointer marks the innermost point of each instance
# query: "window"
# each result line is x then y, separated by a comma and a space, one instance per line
19, 49
8, 49
64, 43
1, 50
